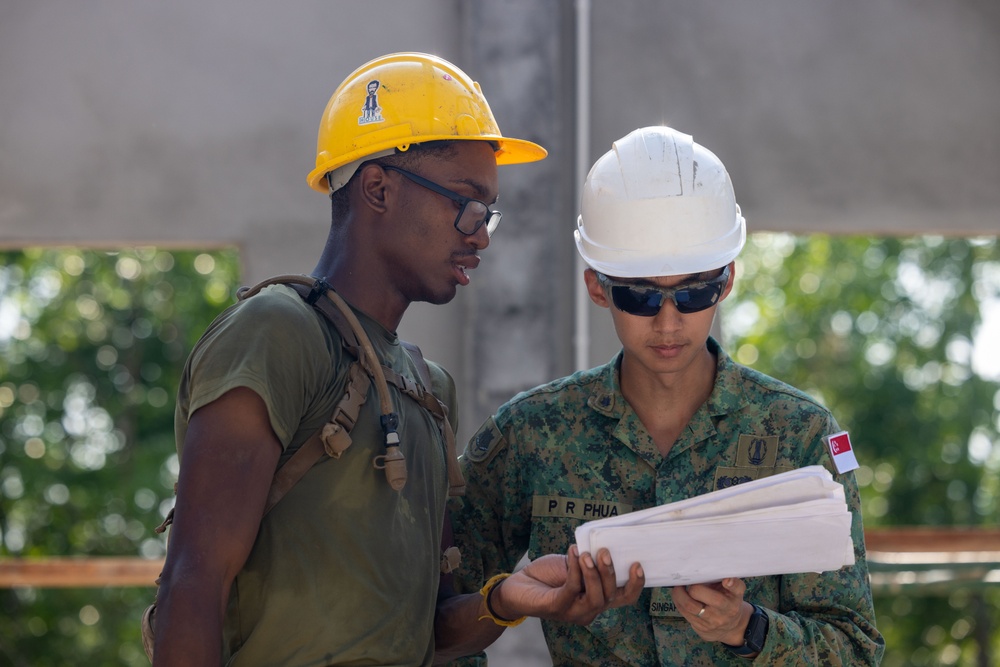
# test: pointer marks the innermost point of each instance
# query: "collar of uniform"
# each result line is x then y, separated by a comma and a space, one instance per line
373, 327
727, 394
607, 396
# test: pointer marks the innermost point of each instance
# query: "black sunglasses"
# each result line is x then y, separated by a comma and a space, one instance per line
472, 213
646, 300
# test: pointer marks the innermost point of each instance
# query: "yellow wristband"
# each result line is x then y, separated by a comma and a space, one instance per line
486, 591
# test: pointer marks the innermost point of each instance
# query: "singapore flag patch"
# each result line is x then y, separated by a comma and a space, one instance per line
841, 451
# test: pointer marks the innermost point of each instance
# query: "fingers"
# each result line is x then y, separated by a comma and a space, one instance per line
694, 602
569, 593
591, 595
685, 604
600, 581
573, 588
735, 587
606, 572
714, 611
574, 577
633, 587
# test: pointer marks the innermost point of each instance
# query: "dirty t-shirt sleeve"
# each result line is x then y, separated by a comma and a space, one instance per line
272, 344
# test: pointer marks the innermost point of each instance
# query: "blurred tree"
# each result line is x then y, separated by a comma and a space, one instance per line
887, 333
884, 331
91, 349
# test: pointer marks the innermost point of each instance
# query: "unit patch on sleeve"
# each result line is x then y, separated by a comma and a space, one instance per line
485, 443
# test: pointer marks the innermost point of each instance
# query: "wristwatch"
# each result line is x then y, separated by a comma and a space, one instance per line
755, 635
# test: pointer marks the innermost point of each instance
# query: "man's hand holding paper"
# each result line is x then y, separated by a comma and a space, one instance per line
797, 521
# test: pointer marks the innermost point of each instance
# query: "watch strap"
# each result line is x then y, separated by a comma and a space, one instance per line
754, 636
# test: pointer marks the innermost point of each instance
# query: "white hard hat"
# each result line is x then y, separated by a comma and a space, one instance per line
658, 204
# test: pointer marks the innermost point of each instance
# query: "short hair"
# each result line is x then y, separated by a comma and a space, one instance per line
340, 204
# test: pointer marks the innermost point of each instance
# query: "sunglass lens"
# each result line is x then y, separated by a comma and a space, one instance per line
647, 302
636, 300
697, 299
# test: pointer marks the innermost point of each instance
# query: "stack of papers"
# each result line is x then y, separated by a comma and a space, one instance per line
794, 521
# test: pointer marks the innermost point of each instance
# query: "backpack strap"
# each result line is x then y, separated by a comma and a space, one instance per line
331, 440
320, 295
456, 481
417, 357
334, 438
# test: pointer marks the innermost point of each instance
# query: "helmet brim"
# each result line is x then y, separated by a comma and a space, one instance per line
519, 151
509, 151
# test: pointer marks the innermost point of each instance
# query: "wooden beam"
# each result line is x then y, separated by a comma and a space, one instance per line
78, 572
900, 548
938, 539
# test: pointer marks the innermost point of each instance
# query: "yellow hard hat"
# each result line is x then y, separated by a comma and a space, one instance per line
401, 99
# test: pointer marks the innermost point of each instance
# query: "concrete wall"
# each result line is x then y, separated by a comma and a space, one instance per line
849, 116
182, 122
193, 124
838, 116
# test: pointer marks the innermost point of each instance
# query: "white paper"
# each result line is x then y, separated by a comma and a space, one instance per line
795, 521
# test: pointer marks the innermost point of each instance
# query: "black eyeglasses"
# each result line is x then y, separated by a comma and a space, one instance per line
646, 300
472, 213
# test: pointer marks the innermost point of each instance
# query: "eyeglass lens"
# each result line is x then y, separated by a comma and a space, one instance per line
472, 213
475, 214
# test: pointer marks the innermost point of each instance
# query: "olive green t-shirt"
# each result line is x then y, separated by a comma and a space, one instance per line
344, 570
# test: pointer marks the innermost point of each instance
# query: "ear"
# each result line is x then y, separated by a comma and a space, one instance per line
732, 279
372, 186
595, 290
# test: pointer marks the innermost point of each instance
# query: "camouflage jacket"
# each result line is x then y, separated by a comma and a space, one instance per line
573, 450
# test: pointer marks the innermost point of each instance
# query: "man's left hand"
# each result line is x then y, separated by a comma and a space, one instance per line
717, 612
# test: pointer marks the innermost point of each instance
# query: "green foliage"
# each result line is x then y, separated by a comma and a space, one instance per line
884, 332
92, 345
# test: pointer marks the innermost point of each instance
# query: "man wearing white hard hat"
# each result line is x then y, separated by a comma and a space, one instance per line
670, 417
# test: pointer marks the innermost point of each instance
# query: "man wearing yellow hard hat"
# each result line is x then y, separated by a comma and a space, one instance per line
337, 557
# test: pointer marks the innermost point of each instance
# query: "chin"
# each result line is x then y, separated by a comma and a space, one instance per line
441, 297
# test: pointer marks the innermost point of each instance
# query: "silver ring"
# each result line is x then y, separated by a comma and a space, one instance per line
702, 611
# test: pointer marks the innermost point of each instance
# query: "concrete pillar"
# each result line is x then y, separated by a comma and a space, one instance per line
520, 314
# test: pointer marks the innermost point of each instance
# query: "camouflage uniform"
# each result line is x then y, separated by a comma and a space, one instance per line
574, 450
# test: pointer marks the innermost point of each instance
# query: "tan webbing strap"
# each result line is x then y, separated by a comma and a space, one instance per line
305, 286
335, 434
393, 461
331, 440
334, 438
244, 293
417, 356
294, 469
456, 480
430, 402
